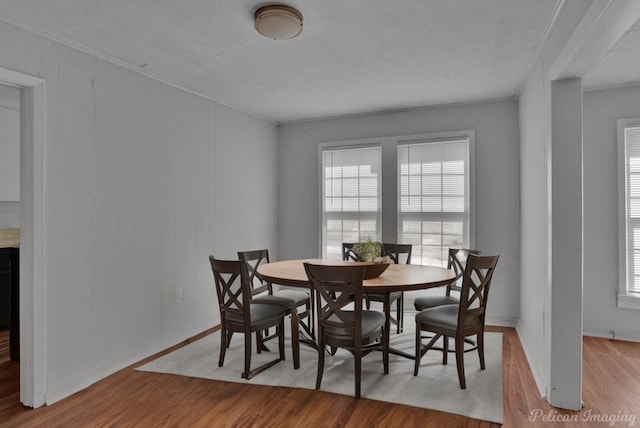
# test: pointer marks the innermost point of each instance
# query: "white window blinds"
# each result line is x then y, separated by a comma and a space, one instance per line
632, 174
350, 197
434, 201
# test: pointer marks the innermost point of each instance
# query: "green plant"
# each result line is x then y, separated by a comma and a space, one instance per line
368, 250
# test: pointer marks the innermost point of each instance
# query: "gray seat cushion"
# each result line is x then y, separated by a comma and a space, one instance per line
427, 302
299, 297
379, 297
282, 298
445, 316
371, 321
261, 312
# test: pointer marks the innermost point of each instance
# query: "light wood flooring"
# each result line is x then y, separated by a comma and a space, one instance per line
136, 399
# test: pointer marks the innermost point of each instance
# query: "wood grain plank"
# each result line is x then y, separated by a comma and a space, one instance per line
131, 398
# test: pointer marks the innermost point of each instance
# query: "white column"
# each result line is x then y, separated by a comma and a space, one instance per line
566, 223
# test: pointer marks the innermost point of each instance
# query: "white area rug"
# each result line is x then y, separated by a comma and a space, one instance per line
436, 386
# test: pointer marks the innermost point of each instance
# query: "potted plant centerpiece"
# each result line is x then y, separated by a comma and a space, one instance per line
370, 251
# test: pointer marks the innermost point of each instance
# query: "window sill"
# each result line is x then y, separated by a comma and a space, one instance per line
629, 301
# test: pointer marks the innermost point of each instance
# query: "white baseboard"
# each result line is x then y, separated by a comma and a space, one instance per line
626, 335
501, 321
542, 390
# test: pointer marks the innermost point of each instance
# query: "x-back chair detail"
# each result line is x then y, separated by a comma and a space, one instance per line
462, 320
238, 314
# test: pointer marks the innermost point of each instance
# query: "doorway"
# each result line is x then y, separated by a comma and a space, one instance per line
10, 113
32, 330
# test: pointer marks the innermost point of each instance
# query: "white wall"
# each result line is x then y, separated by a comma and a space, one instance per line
601, 111
497, 182
535, 126
142, 182
535, 323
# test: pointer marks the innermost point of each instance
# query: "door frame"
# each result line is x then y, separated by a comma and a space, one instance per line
33, 343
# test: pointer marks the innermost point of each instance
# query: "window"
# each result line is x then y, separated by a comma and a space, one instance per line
351, 199
434, 198
629, 173
413, 189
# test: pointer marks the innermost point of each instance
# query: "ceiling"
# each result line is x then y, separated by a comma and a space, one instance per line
620, 66
353, 57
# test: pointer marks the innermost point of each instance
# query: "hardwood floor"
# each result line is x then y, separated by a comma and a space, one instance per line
137, 399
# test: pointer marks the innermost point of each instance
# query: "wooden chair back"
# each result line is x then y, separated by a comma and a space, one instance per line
399, 253
337, 287
347, 252
254, 259
457, 261
233, 290
474, 295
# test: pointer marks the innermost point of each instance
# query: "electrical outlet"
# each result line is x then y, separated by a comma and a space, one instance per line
178, 295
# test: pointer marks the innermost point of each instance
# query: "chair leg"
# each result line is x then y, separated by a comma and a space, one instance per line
321, 347
259, 343
281, 339
247, 355
311, 319
418, 355
460, 361
385, 350
357, 356
223, 345
399, 316
229, 335
480, 340
295, 338
367, 302
445, 350
304, 311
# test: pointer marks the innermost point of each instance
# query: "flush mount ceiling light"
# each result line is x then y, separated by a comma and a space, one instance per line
278, 21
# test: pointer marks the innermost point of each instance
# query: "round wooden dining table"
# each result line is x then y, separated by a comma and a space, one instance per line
397, 277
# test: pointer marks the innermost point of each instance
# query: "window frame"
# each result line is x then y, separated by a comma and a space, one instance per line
389, 196
345, 145
625, 299
469, 136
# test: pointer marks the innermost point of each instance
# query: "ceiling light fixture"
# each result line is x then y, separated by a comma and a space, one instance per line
278, 21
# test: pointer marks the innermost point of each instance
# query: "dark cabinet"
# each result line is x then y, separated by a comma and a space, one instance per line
9, 297
5, 287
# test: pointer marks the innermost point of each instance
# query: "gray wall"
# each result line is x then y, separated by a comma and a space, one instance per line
497, 182
601, 111
142, 182
9, 215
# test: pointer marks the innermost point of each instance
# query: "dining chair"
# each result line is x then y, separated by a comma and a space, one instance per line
342, 323
347, 252
399, 253
467, 318
456, 262
239, 314
297, 304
